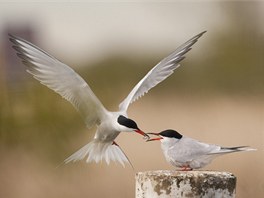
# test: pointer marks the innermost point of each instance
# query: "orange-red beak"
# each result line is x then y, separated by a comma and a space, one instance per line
154, 139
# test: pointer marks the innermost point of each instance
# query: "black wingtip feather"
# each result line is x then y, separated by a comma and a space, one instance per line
234, 148
14, 39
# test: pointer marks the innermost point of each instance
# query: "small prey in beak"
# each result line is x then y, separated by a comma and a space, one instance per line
146, 136
154, 139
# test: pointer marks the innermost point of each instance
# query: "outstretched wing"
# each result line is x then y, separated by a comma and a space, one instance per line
60, 78
159, 73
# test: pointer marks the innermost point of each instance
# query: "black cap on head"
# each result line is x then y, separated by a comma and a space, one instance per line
127, 122
171, 134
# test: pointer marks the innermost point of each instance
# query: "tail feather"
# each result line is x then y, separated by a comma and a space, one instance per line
98, 151
224, 150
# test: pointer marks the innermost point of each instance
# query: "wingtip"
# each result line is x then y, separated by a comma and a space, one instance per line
10, 35
11, 38
248, 149
200, 34
14, 39
203, 32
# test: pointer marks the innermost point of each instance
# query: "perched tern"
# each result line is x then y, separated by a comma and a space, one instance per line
62, 79
187, 153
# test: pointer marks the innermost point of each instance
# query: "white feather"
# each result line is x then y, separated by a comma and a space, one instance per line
97, 151
159, 73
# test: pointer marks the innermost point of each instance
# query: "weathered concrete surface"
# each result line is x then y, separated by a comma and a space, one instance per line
165, 184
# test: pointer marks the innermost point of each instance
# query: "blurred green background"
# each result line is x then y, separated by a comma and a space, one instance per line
216, 95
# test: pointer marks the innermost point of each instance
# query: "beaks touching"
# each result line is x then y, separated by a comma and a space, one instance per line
154, 139
146, 136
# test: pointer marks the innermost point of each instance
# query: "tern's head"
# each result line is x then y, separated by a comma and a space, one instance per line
167, 135
129, 125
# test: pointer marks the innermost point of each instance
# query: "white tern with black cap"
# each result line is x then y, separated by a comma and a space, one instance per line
66, 82
186, 153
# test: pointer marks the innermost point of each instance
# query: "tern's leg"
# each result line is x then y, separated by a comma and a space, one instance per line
114, 143
186, 168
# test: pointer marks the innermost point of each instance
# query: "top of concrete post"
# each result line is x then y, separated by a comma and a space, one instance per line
165, 183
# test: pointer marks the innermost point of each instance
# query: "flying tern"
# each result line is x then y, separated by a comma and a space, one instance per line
65, 81
186, 153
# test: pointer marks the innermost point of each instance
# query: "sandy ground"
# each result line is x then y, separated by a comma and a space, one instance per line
227, 121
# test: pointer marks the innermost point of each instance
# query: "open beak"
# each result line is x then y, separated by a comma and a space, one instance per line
146, 136
154, 139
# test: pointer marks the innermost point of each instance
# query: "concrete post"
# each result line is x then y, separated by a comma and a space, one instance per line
183, 184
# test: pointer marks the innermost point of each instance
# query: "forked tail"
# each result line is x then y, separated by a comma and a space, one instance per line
98, 151
233, 149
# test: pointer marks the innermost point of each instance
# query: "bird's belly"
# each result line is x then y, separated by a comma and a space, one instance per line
179, 158
192, 163
106, 136
177, 163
